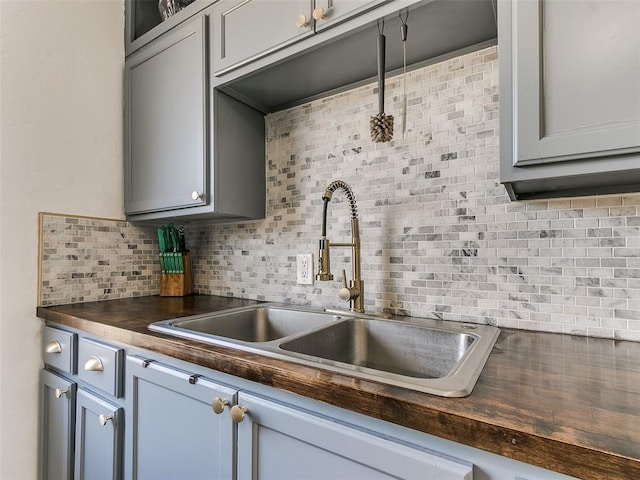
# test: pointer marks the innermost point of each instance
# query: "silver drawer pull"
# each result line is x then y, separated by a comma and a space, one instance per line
53, 347
103, 419
58, 392
94, 364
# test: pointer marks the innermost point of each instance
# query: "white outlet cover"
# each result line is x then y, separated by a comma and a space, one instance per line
304, 269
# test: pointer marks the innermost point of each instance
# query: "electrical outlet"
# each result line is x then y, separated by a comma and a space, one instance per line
304, 268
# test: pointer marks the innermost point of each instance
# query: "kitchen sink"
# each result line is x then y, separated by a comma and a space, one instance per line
431, 356
393, 347
255, 324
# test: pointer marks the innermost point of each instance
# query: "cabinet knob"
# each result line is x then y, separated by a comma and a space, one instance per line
318, 13
237, 413
53, 347
58, 392
103, 419
195, 195
94, 364
302, 22
218, 404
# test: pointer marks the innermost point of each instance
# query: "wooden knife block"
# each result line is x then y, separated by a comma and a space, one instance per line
178, 284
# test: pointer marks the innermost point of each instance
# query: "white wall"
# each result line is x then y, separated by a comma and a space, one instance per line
60, 151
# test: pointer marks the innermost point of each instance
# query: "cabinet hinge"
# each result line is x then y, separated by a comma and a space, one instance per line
193, 379
510, 191
146, 363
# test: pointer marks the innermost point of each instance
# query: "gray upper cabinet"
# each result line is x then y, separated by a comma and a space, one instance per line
245, 29
569, 97
327, 13
143, 22
190, 151
166, 120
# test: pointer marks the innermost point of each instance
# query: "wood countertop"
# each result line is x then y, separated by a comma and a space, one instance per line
566, 403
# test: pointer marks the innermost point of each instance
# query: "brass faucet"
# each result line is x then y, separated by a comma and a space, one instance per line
354, 291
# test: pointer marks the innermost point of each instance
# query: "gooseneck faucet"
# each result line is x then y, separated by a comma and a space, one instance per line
354, 291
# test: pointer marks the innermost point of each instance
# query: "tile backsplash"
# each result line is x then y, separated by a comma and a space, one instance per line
86, 259
440, 237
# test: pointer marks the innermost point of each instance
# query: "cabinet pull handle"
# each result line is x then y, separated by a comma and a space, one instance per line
53, 347
146, 363
318, 13
103, 419
218, 404
94, 364
301, 21
58, 392
237, 413
195, 195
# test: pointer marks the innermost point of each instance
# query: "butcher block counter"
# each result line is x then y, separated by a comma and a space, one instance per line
566, 403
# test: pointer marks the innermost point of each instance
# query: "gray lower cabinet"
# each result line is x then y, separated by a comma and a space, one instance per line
569, 101
183, 425
81, 418
99, 436
178, 425
277, 441
57, 418
183, 421
81, 433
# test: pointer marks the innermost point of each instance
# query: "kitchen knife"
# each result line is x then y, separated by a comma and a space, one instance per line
183, 243
162, 239
174, 239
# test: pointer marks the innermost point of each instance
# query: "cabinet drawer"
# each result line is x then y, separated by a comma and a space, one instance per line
59, 349
101, 365
244, 30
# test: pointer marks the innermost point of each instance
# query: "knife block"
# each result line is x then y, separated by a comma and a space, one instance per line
178, 284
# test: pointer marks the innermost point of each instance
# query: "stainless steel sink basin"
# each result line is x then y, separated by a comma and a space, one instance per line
393, 347
254, 324
432, 356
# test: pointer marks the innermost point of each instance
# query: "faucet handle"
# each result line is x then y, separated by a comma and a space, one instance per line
345, 293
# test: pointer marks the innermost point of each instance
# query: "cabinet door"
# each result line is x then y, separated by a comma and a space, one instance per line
99, 426
58, 397
331, 12
280, 442
166, 152
172, 428
246, 29
576, 77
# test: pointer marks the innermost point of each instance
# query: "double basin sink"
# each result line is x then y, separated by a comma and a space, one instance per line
441, 358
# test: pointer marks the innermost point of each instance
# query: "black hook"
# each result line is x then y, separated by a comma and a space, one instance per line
404, 27
404, 22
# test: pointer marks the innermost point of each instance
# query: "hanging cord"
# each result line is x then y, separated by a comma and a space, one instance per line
404, 28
